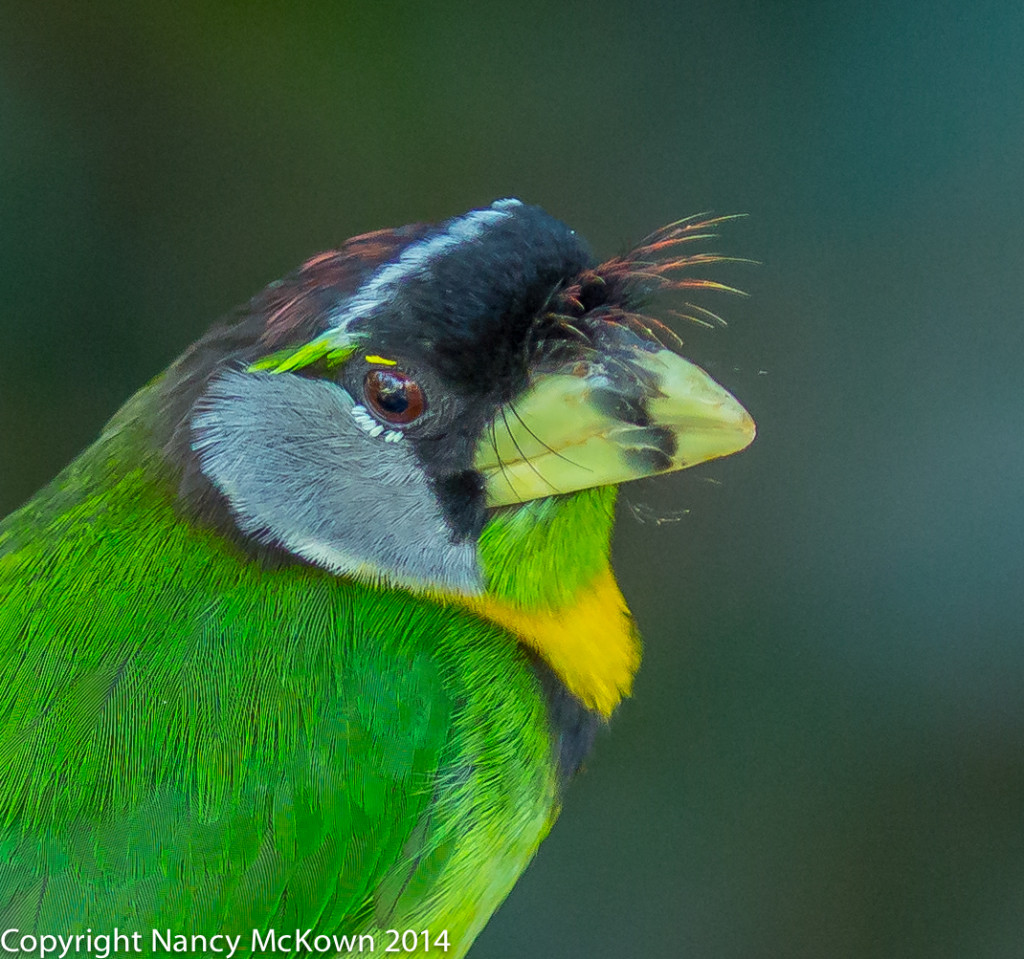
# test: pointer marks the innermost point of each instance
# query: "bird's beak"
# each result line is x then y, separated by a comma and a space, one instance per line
580, 427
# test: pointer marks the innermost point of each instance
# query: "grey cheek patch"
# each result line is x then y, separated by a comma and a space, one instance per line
299, 472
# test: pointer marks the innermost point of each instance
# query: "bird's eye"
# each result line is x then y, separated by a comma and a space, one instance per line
393, 397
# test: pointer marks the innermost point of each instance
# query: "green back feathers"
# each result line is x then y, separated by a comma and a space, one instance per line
206, 744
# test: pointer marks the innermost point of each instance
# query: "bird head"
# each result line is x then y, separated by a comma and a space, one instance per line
374, 411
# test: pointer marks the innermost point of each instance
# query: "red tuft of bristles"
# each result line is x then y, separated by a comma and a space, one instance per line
622, 283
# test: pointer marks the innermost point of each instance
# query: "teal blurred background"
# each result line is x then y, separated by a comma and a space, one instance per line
825, 752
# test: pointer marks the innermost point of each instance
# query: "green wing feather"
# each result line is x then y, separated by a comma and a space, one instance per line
191, 741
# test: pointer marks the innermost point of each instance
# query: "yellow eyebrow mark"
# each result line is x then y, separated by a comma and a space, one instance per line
381, 359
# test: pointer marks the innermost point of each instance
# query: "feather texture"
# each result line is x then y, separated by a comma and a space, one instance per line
201, 741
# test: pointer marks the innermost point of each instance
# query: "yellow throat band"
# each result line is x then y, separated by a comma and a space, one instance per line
592, 645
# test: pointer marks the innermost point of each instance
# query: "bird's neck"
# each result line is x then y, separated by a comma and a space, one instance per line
546, 563
550, 583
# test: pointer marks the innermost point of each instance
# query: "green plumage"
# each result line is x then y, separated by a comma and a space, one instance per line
203, 741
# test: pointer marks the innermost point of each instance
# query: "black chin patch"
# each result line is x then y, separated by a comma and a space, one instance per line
463, 501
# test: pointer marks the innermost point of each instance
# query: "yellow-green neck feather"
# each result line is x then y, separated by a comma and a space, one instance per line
550, 583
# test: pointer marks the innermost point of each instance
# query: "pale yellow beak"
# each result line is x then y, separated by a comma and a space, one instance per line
570, 431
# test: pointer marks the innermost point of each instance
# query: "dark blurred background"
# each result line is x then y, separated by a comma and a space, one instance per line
823, 757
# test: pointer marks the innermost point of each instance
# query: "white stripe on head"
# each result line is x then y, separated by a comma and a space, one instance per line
415, 259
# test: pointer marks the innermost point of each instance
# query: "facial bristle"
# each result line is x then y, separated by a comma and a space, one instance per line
618, 288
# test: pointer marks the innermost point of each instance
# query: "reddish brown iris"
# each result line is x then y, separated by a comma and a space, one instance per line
393, 397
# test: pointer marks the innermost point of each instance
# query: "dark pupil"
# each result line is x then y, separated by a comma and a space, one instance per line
391, 393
